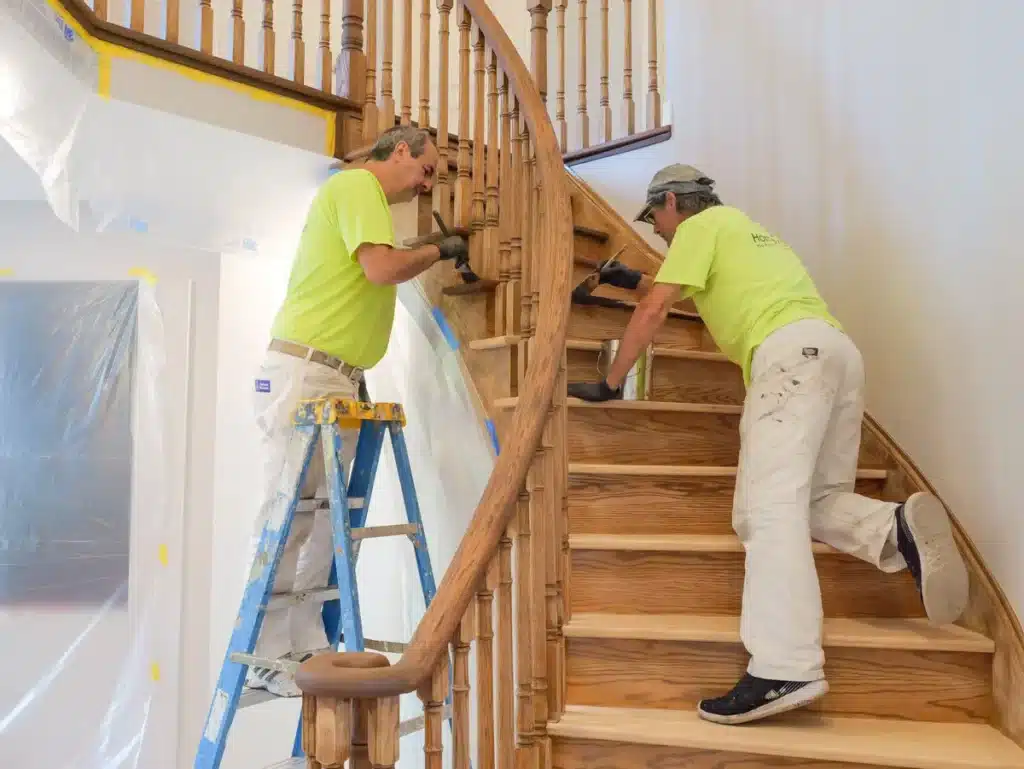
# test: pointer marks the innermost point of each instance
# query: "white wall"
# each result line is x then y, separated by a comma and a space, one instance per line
883, 141
37, 246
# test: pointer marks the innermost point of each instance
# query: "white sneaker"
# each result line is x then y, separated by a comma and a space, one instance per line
280, 683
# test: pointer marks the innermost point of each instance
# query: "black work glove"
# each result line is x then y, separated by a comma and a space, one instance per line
620, 276
593, 391
454, 247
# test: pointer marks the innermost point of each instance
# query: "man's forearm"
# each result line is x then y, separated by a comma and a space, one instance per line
406, 264
645, 285
643, 325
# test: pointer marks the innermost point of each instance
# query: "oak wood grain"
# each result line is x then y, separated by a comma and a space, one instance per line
602, 323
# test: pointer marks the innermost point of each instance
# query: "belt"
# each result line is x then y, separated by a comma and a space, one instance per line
317, 356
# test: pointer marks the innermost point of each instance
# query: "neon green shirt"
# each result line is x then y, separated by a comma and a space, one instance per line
330, 304
745, 282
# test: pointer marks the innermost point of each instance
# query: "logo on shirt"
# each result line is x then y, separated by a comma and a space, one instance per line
262, 385
764, 240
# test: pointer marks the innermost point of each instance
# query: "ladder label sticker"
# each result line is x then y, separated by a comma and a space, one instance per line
217, 711
262, 385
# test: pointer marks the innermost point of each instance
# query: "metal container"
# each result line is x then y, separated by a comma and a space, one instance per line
638, 382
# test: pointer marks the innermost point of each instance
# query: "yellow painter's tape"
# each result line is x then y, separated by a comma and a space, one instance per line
103, 75
162, 555
154, 671
330, 135
6, 272
143, 274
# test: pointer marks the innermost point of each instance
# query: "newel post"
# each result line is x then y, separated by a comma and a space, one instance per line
539, 11
351, 63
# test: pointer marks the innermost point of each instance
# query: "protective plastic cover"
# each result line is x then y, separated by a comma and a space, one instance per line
83, 521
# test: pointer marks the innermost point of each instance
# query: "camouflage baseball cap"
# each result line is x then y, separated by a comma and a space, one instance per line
678, 178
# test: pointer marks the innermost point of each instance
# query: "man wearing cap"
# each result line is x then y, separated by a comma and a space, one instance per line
799, 438
335, 322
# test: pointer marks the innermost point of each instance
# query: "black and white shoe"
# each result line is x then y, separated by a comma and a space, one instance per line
755, 698
924, 538
278, 682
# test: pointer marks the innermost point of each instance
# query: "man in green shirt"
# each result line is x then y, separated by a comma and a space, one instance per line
799, 438
334, 323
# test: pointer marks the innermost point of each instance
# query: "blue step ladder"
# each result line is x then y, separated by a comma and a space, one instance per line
323, 421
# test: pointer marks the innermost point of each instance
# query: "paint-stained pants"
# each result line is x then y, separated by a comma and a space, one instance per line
799, 443
281, 382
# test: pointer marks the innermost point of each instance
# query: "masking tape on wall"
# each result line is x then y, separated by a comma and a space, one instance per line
154, 671
143, 274
6, 272
162, 554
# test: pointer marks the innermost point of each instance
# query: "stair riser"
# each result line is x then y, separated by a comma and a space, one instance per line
641, 437
650, 505
674, 379
603, 323
931, 686
601, 754
712, 583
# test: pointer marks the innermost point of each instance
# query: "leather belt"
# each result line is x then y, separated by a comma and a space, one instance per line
317, 356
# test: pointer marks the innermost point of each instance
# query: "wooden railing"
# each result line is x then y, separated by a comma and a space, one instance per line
501, 177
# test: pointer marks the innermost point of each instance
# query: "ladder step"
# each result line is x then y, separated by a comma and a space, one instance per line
373, 532
315, 595
309, 505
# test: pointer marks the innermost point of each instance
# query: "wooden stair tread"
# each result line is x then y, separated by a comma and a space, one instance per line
669, 543
872, 633
868, 741
693, 408
684, 471
590, 345
590, 232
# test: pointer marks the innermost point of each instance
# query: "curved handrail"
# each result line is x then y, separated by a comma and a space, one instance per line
327, 675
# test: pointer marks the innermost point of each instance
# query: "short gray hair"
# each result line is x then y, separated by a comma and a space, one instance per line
416, 138
688, 202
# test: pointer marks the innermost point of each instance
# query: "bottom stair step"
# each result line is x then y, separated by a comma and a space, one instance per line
589, 737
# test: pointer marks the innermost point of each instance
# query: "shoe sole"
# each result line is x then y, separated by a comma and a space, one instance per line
798, 699
943, 590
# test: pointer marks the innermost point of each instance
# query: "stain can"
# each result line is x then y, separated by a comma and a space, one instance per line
638, 383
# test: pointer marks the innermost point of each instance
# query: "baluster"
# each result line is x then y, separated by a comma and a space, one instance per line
653, 98
606, 109
432, 695
298, 45
526, 755
333, 731
526, 210
538, 482
463, 183
491, 249
460, 693
478, 255
325, 45
406, 116
309, 724
383, 732
504, 233
206, 26
581, 107
237, 32
424, 118
360, 756
563, 127
444, 192
557, 522
485, 668
506, 684
268, 36
371, 119
627, 72
513, 305
100, 9
387, 97
172, 17
539, 10
138, 15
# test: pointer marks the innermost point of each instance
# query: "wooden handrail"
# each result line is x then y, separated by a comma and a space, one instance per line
327, 675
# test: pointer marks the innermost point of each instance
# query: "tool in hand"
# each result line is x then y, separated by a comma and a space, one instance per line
461, 266
582, 293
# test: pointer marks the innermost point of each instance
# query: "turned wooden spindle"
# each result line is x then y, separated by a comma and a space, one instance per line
581, 104
432, 694
387, 95
525, 745
324, 62
237, 32
172, 20
485, 669
206, 26
478, 255
100, 9
606, 107
137, 17
628, 105
461, 739
491, 239
298, 45
267, 39
514, 208
424, 116
501, 299
653, 97
444, 191
538, 480
560, 123
383, 732
539, 10
505, 694
464, 182
407, 20
371, 116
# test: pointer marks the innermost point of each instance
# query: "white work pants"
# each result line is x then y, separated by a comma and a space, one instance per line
799, 444
281, 382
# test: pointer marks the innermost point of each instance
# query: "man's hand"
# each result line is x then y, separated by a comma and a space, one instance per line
619, 275
593, 391
454, 247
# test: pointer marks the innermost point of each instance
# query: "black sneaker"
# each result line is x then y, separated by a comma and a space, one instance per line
755, 698
924, 538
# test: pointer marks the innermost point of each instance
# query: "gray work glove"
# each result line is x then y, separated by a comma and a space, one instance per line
454, 247
620, 276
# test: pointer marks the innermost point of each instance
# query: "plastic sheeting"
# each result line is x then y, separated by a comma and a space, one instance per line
83, 518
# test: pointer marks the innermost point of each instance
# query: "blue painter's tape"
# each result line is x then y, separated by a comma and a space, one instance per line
249, 244
137, 224
449, 335
493, 431
262, 385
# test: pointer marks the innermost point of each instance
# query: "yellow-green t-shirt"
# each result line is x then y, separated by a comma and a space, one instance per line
745, 282
330, 305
